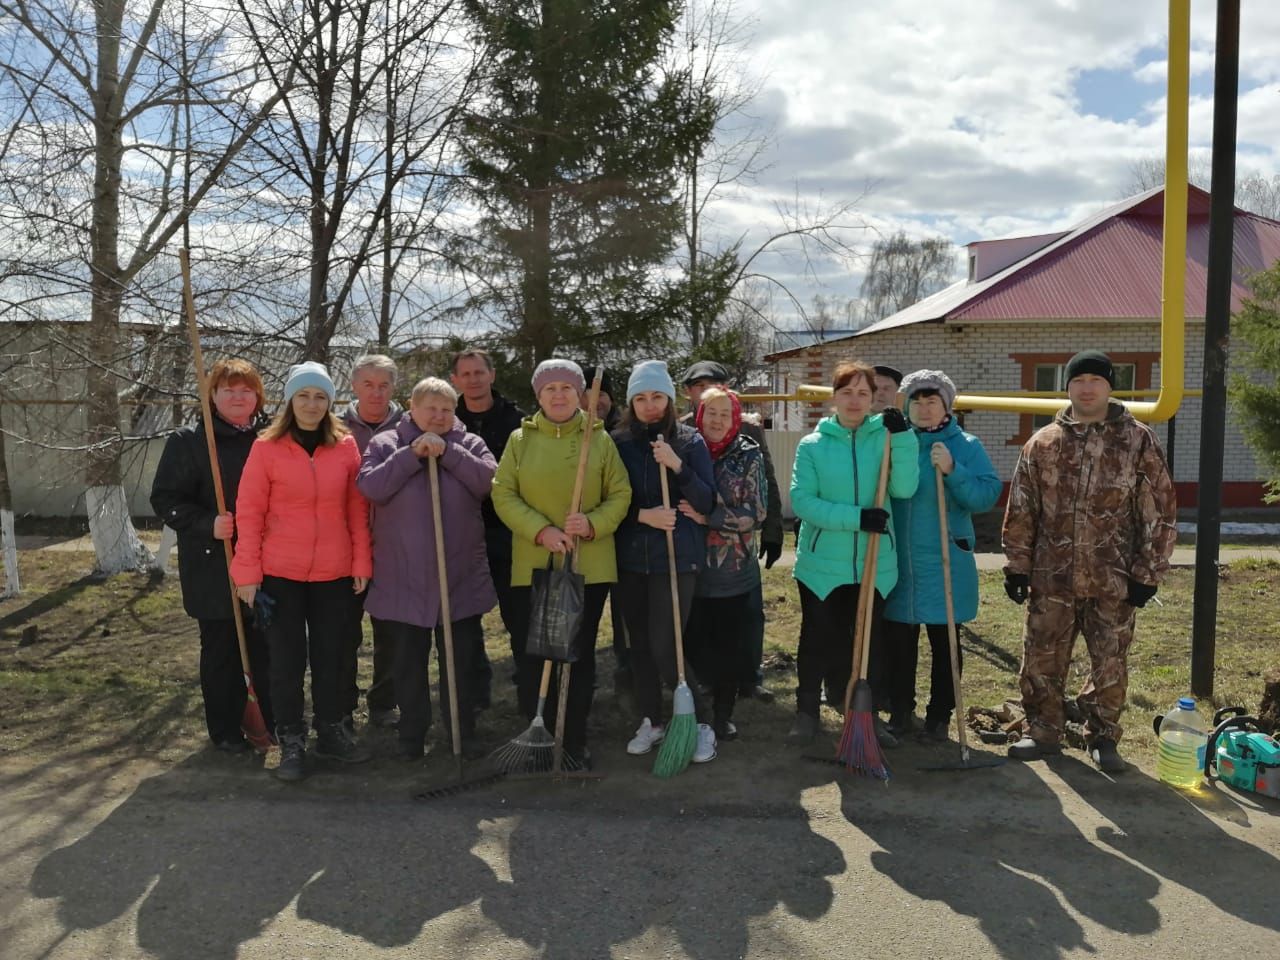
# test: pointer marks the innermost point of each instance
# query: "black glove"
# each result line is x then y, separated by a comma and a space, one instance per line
264, 609
874, 520
770, 552
894, 421
1018, 587
1139, 593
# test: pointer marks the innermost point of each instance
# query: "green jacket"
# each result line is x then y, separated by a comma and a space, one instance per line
534, 484
835, 475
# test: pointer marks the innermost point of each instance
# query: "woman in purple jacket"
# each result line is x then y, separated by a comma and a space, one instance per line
404, 595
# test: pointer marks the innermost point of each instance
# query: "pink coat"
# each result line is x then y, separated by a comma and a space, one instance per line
299, 517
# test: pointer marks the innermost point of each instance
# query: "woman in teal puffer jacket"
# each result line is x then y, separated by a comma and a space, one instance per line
833, 489
972, 486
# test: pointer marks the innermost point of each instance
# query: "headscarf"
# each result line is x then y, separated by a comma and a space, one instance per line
718, 447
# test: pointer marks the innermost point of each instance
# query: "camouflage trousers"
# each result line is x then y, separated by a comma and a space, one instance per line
1050, 631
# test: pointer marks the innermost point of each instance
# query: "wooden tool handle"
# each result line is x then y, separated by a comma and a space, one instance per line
580, 479
677, 626
953, 640
219, 496
866, 588
446, 620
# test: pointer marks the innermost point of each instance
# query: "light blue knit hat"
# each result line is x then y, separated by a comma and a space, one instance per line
650, 375
308, 374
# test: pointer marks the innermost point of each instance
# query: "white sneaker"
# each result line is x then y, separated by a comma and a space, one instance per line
647, 737
706, 751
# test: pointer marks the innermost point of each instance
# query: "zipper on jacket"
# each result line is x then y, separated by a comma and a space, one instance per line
315, 503
857, 534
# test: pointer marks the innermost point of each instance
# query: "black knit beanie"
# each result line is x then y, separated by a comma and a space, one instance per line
1091, 361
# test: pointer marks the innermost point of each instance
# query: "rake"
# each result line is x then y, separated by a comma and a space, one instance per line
859, 748
252, 722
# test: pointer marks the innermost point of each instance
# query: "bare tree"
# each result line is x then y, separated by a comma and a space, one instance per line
93, 192
903, 271
1254, 191
723, 273
359, 150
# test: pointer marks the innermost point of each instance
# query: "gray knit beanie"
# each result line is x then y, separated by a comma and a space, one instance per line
913, 383
557, 370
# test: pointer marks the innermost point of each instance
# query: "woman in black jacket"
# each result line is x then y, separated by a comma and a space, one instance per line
182, 496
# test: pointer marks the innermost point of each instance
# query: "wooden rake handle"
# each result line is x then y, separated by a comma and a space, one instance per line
675, 582
867, 586
219, 495
953, 640
446, 619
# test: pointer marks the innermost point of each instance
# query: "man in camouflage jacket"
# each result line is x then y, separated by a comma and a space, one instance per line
1088, 532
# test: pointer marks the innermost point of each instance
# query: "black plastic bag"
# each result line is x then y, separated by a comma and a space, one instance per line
556, 609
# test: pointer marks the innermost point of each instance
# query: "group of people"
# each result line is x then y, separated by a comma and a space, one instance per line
333, 517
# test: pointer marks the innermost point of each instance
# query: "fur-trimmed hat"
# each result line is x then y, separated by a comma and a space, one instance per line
935, 380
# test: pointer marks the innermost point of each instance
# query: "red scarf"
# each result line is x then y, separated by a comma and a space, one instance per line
718, 448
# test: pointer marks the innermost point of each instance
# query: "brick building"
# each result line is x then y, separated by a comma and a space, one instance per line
1029, 303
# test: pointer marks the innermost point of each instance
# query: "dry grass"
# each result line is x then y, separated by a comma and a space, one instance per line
114, 661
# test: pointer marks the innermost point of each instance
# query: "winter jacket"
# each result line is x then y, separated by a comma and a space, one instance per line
972, 487
534, 484
406, 581
733, 525
182, 496
835, 475
1091, 506
771, 530
494, 426
364, 431
300, 517
642, 548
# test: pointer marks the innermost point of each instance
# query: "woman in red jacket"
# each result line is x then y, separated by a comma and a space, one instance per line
303, 541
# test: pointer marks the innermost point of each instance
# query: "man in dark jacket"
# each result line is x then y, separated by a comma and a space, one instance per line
699, 376
182, 495
373, 411
493, 417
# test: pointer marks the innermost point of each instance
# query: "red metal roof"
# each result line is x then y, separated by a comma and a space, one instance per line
1112, 269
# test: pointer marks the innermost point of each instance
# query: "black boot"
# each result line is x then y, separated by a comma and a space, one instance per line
293, 753
806, 725
726, 695
335, 742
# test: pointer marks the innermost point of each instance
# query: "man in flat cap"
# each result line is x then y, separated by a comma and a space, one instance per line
1088, 533
888, 380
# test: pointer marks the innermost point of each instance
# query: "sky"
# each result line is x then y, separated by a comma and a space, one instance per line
977, 120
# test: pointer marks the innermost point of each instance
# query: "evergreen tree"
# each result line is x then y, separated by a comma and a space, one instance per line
573, 163
1255, 392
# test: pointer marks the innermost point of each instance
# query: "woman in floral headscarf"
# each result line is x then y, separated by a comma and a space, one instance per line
718, 623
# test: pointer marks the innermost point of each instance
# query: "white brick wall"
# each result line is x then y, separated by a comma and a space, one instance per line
977, 357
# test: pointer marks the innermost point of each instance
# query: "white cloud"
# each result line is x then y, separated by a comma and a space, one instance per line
966, 116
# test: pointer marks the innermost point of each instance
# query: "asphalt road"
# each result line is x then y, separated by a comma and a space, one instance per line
767, 855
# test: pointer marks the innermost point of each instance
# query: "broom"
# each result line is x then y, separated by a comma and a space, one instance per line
859, 748
535, 750
681, 738
251, 723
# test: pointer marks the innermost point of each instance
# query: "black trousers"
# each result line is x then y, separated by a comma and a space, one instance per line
825, 655
412, 645
646, 606
582, 676
720, 636
308, 626
381, 695
222, 676
753, 649
902, 652
509, 612
621, 645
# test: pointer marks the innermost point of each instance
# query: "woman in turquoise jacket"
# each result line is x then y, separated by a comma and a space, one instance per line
833, 490
972, 486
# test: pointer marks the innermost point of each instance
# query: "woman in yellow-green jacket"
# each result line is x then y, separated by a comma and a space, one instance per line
531, 494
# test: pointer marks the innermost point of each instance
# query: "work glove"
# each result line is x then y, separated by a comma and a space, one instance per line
264, 609
1139, 593
770, 552
894, 421
1018, 587
874, 520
